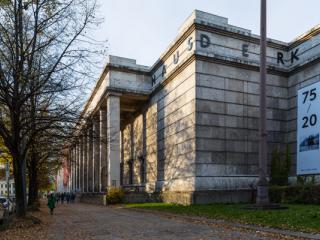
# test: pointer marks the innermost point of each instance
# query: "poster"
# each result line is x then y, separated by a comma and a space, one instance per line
308, 152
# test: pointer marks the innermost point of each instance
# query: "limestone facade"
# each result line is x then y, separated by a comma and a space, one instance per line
188, 125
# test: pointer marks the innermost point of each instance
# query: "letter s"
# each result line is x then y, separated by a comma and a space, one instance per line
190, 44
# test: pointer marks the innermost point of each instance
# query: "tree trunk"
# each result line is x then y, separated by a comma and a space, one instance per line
19, 168
33, 181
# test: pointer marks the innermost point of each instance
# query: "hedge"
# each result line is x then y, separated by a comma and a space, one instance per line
307, 194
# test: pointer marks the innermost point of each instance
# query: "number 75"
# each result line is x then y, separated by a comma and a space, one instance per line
312, 94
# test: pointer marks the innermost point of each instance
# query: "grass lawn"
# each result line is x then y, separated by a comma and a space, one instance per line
304, 218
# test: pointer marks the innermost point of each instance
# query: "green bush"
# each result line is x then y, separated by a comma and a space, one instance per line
280, 167
115, 195
306, 194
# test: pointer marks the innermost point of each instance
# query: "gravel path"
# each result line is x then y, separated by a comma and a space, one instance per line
84, 221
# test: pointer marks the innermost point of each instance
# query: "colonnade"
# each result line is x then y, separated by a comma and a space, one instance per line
95, 155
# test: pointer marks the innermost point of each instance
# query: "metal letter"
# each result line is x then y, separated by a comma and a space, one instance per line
280, 57
190, 44
176, 57
153, 79
245, 50
164, 70
294, 55
204, 41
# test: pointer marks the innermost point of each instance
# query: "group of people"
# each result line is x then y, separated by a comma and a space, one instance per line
54, 198
65, 196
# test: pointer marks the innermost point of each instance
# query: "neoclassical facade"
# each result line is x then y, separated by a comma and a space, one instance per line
188, 125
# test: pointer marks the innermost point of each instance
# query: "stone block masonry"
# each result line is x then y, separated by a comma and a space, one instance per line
186, 129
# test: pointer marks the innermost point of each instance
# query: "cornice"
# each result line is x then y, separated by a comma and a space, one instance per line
307, 36
271, 70
247, 38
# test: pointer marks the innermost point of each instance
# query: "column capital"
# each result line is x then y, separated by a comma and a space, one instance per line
113, 94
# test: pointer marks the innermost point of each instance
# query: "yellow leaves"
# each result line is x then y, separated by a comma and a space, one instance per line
5, 2
4, 153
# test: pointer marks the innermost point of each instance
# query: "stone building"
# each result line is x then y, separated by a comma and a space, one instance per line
4, 187
188, 125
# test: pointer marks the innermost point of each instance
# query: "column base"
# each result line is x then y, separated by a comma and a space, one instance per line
92, 198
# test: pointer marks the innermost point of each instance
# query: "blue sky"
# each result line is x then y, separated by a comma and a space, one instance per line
142, 29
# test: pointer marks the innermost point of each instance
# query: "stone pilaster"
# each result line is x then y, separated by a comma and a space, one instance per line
96, 154
113, 140
103, 150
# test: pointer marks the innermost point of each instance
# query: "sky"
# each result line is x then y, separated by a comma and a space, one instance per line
143, 29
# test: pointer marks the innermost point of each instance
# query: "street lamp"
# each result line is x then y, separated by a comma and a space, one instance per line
262, 186
8, 180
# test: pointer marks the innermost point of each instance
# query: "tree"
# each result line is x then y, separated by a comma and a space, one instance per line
45, 54
43, 162
280, 166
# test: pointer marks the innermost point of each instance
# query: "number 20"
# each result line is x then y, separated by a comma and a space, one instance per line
312, 121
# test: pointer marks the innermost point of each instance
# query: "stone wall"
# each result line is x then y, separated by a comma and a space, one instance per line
227, 113
169, 137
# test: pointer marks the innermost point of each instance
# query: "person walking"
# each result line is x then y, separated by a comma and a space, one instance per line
57, 197
68, 197
73, 196
62, 196
51, 203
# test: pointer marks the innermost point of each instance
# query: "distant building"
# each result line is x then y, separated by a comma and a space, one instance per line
3, 187
61, 180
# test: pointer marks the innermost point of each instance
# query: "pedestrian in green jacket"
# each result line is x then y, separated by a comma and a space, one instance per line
51, 203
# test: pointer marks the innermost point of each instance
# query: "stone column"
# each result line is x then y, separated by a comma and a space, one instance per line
113, 140
78, 165
121, 157
96, 154
103, 150
144, 150
70, 172
74, 169
81, 162
85, 163
89, 156
71, 168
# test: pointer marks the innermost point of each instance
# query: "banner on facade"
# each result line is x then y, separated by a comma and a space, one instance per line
308, 152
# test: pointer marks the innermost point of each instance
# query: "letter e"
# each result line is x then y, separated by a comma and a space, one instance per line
245, 50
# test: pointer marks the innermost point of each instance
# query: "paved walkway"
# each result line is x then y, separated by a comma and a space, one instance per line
84, 221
